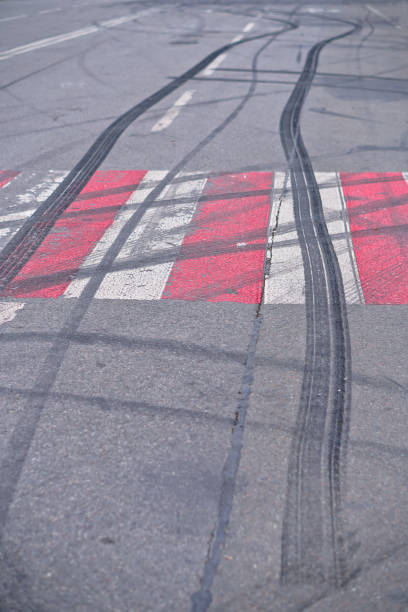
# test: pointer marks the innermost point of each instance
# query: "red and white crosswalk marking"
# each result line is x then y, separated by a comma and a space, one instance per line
222, 255
205, 237
377, 205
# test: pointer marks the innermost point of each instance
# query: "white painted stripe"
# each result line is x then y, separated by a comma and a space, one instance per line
285, 283
146, 186
112, 23
405, 176
46, 11
46, 42
380, 14
12, 18
32, 197
42, 190
54, 40
214, 65
218, 60
160, 233
337, 221
8, 311
172, 113
17, 216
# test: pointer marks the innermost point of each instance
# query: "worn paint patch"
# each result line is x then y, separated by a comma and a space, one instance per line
8, 311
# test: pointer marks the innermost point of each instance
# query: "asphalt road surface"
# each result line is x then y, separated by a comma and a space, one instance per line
203, 306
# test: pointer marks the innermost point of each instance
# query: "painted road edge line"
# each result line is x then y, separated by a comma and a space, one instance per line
54, 40
384, 17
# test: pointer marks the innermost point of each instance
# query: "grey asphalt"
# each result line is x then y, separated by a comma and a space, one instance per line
117, 424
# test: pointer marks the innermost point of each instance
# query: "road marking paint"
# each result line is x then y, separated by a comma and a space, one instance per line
285, 282
46, 11
112, 23
8, 311
214, 65
17, 216
46, 42
13, 18
146, 259
377, 205
218, 60
51, 268
33, 196
6, 176
173, 112
321, 10
211, 246
337, 221
146, 186
380, 14
222, 255
41, 191
54, 40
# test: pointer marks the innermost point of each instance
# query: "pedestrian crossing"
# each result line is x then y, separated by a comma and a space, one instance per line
207, 236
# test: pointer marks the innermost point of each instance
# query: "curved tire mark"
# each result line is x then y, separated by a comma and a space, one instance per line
313, 543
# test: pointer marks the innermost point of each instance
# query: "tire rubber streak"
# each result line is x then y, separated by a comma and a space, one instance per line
313, 548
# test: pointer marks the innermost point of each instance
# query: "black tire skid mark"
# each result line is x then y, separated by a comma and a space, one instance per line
313, 543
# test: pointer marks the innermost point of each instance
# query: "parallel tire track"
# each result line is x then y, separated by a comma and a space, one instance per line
313, 543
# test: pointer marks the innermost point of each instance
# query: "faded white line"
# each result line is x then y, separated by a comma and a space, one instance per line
40, 192
17, 216
32, 197
55, 40
46, 11
380, 14
172, 113
313, 9
218, 60
214, 64
12, 18
8, 311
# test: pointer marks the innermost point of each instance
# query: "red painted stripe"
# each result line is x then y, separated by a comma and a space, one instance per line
6, 176
54, 264
222, 256
377, 204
